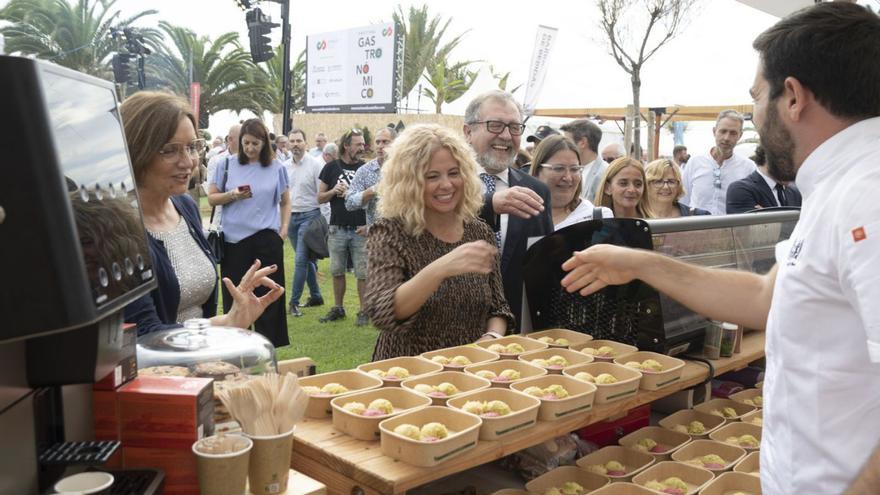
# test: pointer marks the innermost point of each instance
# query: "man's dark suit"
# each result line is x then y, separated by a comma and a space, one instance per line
518, 231
744, 194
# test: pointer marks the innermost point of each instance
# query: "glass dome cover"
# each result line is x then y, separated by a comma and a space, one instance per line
203, 349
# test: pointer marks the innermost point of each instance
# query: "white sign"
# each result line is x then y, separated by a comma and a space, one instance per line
352, 71
538, 68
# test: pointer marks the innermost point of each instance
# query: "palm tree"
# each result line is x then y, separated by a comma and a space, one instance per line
422, 37
502, 79
229, 79
449, 81
77, 35
272, 75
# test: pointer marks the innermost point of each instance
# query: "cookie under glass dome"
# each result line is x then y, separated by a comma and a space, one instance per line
200, 349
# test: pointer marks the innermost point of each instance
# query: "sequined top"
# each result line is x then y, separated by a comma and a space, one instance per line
195, 272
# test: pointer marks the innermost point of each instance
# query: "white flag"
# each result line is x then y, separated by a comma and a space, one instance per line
538, 68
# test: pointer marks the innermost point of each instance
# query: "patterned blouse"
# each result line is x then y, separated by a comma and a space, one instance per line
456, 314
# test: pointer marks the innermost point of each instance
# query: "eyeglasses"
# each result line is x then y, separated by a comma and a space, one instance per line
560, 170
497, 127
717, 174
667, 182
171, 151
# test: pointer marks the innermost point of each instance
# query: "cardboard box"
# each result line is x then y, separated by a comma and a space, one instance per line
463, 429
165, 412
632, 460
525, 370
732, 483
575, 339
105, 415
523, 411
464, 382
179, 465
417, 366
699, 448
367, 427
354, 381
668, 441
556, 478
684, 418
126, 369
750, 464
693, 476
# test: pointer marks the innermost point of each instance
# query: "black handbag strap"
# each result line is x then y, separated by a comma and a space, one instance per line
222, 187
597, 213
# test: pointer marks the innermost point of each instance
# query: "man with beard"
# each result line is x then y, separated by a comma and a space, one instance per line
362, 193
513, 204
761, 189
708, 175
345, 238
302, 174
817, 109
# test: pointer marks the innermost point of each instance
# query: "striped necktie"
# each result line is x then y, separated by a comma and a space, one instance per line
489, 182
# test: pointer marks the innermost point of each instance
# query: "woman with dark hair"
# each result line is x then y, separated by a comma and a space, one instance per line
557, 163
252, 187
160, 131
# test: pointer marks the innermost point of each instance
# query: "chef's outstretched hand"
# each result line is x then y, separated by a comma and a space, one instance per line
599, 266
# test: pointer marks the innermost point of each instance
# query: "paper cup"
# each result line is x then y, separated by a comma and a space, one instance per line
223, 474
270, 463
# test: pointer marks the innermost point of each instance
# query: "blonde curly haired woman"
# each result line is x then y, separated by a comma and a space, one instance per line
434, 278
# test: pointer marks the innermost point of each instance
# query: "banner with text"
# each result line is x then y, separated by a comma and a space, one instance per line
538, 68
352, 71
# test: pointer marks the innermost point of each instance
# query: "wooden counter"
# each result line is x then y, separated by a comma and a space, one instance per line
350, 466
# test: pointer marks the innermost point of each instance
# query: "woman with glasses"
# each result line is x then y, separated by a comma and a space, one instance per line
665, 189
434, 279
557, 163
623, 189
161, 137
252, 187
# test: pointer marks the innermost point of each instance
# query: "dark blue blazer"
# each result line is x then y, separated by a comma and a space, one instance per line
744, 194
158, 309
518, 231
686, 211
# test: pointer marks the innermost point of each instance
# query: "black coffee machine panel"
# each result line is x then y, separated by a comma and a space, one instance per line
72, 239
73, 253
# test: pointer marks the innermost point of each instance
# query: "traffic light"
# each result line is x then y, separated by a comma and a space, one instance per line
122, 68
259, 27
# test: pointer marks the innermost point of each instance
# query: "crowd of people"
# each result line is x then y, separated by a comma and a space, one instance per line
267, 188
439, 218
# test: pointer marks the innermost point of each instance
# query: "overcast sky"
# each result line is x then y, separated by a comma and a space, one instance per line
710, 63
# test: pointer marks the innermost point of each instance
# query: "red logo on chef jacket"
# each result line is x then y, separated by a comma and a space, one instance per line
859, 234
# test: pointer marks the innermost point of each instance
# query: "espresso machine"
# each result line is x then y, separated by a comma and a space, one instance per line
73, 253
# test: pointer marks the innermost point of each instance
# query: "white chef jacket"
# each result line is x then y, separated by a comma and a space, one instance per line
822, 387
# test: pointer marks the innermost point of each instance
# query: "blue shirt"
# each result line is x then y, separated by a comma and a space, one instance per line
246, 217
366, 177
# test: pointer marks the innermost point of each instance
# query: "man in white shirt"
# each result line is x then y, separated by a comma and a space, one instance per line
320, 142
586, 136
612, 152
282, 153
302, 174
817, 109
707, 176
216, 148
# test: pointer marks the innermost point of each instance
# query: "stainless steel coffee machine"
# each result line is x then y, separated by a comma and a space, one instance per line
73, 253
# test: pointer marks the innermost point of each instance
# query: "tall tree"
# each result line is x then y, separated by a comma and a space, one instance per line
229, 79
75, 35
662, 21
449, 81
272, 74
423, 34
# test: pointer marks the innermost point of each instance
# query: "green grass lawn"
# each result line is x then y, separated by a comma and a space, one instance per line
335, 345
